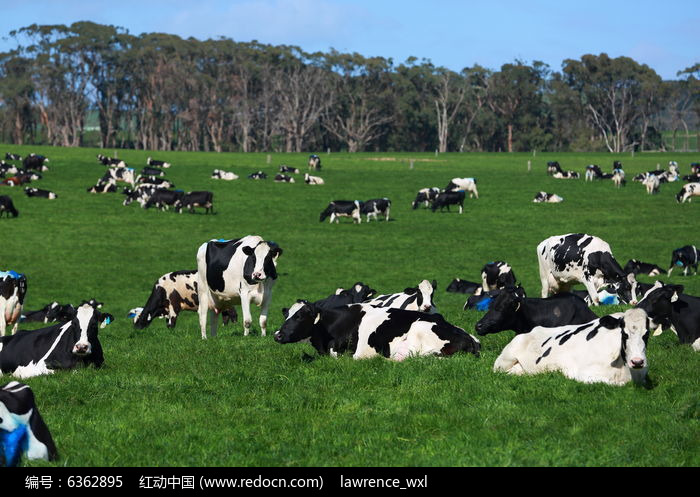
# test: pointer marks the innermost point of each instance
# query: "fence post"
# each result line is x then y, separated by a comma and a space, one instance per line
529, 166
269, 158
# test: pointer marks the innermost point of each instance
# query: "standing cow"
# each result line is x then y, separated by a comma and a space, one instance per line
234, 272
13, 288
684, 257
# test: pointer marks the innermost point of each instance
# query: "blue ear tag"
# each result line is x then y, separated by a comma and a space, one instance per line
483, 304
610, 300
108, 320
679, 263
12, 444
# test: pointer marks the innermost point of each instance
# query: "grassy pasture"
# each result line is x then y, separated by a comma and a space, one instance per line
168, 398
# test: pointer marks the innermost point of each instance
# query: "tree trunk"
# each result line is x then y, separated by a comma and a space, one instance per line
510, 137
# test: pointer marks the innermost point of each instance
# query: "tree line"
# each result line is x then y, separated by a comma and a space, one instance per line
161, 92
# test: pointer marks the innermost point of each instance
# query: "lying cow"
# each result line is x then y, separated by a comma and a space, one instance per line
466, 184
50, 313
13, 289
157, 163
376, 206
497, 275
110, 161
356, 294
342, 208
462, 286
566, 175
688, 192
445, 199
418, 298
6, 205
38, 192
34, 161
637, 267
611, 350
544, 197
425, 196
11, 156
553, 167
313, 180
61, 346
283, 178
512, 310
109, 186
257, 175
366, 331
565, 260
686, 258
225, 175
288, 169
23, 432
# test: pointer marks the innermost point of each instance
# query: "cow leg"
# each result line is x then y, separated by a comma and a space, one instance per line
214, 322
460, 208
592, 292
245, 310
264, 307
202, 312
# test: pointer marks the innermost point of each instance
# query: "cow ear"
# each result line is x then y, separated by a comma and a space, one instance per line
631, 278
248, 250
410, 291
611, 322
677, 290
434, 283
105, 319
285, 312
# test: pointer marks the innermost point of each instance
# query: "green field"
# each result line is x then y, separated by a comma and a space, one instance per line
168, 398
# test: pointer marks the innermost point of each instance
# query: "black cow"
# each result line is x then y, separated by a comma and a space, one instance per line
366, 331
7, 206
637, 267
152, 171
23, 431
668, 307
376, 206
497, 275
38, 192
61, 346
157, 163
462, 286
163, 199
356, 294
445, 199
13, 289
257, 175
10, 156
33, 161
342, 208
190, 200
512, 310
50, 313
685, 257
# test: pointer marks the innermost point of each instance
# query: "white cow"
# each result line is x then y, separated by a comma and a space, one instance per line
225, 175
466, 184
313, 180
234, 272
611, 349
13, 288
651, 182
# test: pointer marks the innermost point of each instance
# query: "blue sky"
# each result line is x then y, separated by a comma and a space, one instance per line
451, 33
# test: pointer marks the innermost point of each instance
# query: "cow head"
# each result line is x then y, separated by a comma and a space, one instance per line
298, 323
502, 314
155, 307
657, 302
424, 292
634, 330
261, 262
84, 327
361, 292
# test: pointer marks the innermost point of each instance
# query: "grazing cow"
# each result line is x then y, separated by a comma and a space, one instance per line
366, 331
637, 267
356, 294
10, 156
49, 313
565, 260
283, 178
376, 206
173, 293
38, 192
550, 198
61, 346
593, 171
668, 307
512, 310
164, 199
611, 350
425, 195
288, 169
152, 171
190, 200
685, 257
6, 205
13, 288
104, 187
651, 182
418, 298
553, 167
445, 199
342, 208
462, 286
110, 161
257, 175
642, 176
157, 163
566, 175
466, 184
236, 271
315, 162
23, 431
687, 192
496, 276
313, 180
225, 175
33, 161
141, 194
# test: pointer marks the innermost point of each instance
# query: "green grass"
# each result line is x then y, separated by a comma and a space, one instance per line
168, 398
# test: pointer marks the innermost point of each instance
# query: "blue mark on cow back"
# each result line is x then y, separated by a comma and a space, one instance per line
13, 443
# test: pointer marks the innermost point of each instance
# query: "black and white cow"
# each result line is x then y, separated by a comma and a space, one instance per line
695, 167
550, 198
288, 169
33, 161
225, 175
481, 300
50, 313
257, 175
190, 200
462, 286
155, 180
692, 178
110, 161
651, 182
418, 298
619, 178
342, 208
356, 294
104, 187
6, 205
638, 267
566, 175
425, 196
376, 206
173, 293
38, 192
141, 193
152, 171
315, 162
164, 199
497, 275
686, 258
593, 171
241, 271
124, 174
553, 167
10, 156
23, 432
283, 178
13, 289
687, 192
445, 199
313, 180
565, 260
466, 184
157, 163
512, 310
61, 346
366, 331
611, 350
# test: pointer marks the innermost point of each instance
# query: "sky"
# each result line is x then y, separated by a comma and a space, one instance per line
454, 34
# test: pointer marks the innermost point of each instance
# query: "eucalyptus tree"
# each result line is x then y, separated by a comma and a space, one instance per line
16, 95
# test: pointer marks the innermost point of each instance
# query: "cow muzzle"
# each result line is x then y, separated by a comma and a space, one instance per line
637, 363
258, 276
82, 349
